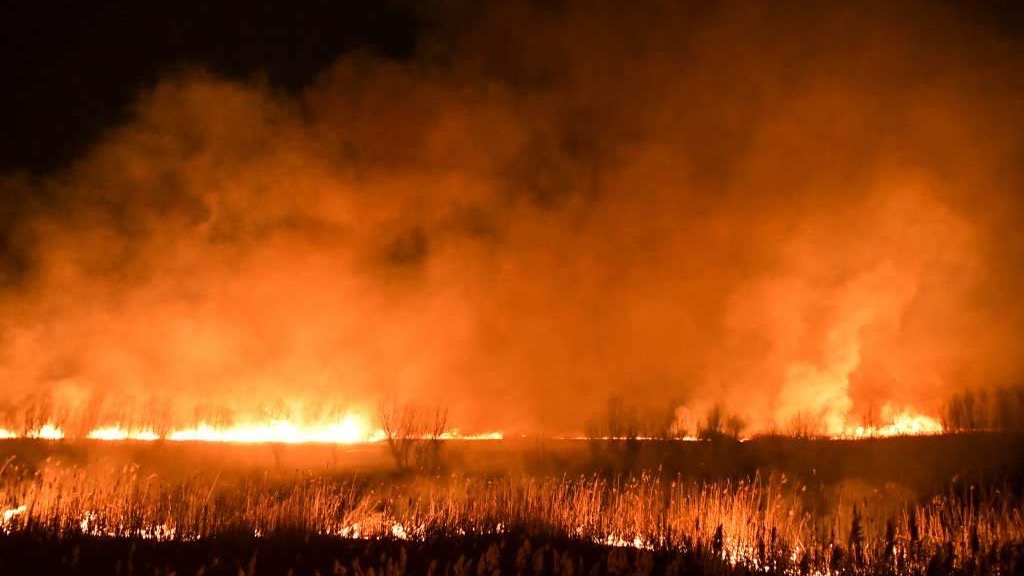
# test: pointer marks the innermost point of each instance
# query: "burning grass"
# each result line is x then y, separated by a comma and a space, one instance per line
765, 523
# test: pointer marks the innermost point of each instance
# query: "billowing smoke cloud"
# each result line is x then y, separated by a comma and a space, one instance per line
794, 212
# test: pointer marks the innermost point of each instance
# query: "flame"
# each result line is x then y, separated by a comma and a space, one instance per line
616, 541
9, 514
634, 438
118, 433
48, 431
901, 423
454, 434
352, 429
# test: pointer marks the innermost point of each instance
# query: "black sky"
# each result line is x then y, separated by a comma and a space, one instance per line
73, 68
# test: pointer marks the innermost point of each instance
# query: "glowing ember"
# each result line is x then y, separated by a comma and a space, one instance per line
617, 541
454, 434
631, 438
9, 515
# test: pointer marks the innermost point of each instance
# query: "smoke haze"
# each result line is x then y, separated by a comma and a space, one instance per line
795, 212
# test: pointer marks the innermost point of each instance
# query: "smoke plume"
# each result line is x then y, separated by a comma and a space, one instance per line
794, 212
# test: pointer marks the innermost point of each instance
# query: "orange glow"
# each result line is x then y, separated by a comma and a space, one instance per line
454, 434
352, 429
47, 431
642, 438
355, 428
900, 423
10, 513
118, 433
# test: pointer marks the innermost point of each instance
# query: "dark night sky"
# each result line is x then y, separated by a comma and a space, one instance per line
73, 68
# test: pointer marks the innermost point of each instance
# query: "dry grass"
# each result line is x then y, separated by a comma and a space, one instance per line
765, 523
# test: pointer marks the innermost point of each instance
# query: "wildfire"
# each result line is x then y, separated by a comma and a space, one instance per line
901, 423
10, 514
352, 429
454, 434
118, 433
48, 431
686, 438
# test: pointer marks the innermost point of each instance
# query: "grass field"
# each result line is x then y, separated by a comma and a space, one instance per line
899, 506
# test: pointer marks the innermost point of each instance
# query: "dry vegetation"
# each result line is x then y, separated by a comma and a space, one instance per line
771, 523
999, 409
413, 435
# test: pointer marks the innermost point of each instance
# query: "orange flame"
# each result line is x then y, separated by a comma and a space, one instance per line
118, 433
48, 431
355, 428
352, 429
901, 423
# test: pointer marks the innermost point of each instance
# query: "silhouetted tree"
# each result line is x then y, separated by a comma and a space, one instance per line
413, 436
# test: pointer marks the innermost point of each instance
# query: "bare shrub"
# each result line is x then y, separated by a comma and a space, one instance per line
414, 436
997, 410
720, 425
803, 425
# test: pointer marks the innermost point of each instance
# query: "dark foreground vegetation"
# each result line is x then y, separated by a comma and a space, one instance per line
41, 552
924, 464
943, 505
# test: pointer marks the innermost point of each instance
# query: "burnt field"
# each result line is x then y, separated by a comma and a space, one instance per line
929, 505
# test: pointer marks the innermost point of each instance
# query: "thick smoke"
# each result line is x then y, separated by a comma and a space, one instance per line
794, 212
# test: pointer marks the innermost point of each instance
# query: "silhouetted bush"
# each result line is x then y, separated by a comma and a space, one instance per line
996, 410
